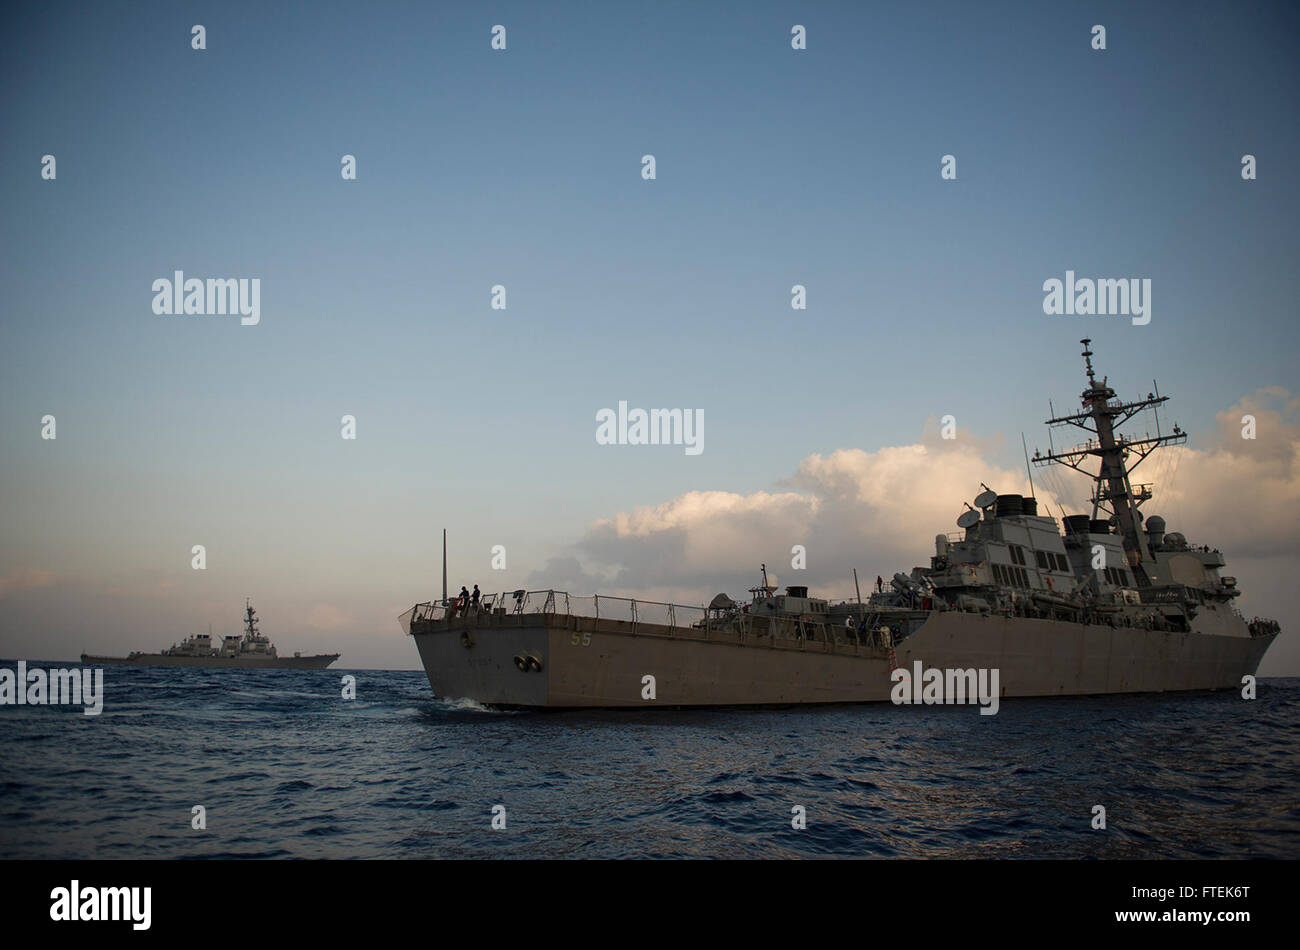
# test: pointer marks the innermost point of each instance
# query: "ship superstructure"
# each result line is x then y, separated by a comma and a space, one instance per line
1101, 567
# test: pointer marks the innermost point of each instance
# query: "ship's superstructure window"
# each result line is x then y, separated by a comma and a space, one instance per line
1051, 561
1011, 576
1117, 576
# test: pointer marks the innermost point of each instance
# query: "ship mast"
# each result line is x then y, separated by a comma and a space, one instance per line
250, 620
1113, 492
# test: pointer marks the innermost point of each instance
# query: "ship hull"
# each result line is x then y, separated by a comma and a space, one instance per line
475, 659
318, 662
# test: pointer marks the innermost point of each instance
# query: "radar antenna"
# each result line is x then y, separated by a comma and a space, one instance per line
1113, 491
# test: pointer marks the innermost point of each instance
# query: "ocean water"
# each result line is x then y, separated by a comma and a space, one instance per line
284, 768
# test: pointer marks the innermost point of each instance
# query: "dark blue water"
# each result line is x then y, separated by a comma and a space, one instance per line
286, 768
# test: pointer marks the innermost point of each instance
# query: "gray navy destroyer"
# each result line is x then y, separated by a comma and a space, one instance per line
1099, 603
251, 651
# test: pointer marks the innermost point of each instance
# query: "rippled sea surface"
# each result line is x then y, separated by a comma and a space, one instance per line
284, 767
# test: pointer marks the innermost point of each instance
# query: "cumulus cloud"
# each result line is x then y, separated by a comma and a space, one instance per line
849, 508
1241, 495
879, 511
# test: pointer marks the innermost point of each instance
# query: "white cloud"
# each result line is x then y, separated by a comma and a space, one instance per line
879, 511
850, 508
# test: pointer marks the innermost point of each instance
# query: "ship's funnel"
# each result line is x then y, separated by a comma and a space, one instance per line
1009, 505
1029, 506
1098, 526
1077, 524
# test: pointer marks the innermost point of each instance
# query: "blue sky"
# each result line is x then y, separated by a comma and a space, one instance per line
522, 167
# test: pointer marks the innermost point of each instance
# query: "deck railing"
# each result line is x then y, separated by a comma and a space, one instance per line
690, 620
512, 602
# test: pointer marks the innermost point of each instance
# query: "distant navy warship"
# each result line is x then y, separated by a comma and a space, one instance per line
251, 651
1098, 604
